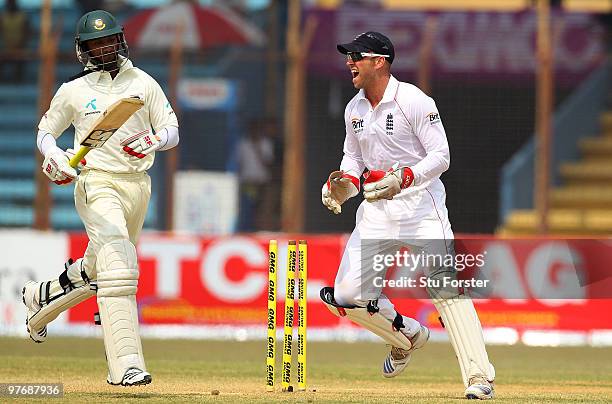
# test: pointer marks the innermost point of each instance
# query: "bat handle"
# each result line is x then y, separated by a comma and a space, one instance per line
74, 161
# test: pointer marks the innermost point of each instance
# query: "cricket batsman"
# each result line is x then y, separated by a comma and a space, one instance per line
111, 193
394, 133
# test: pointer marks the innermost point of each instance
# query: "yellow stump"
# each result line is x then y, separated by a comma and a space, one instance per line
289, 314
302, 310
271, 349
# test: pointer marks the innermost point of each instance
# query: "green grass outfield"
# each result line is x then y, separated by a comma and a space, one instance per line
189, 371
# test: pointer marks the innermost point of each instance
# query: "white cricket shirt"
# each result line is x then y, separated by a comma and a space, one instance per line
80, 102
404, 128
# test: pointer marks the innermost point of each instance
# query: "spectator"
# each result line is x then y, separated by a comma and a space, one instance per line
269, 219
255, 156
15, 28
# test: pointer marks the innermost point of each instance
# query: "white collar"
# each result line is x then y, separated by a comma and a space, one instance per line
390, 91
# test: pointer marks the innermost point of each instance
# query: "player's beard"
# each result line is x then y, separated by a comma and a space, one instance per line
109, 58
105, 64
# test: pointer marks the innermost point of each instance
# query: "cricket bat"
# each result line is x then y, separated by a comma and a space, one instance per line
106, 125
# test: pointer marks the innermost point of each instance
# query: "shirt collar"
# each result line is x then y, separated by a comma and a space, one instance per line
389, 94
391, 90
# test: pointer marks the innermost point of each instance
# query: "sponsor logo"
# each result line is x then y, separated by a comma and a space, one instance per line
91, 104
99, 24
389, 125
434, 118
168, 106
357, 125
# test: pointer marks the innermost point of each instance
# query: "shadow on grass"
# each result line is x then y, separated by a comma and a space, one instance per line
144, 396
129, 395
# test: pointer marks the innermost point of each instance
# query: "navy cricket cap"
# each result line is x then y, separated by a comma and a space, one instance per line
370, 41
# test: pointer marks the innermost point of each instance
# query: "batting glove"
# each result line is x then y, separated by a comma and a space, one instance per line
385, 185
338, 188
56, 167
141, 145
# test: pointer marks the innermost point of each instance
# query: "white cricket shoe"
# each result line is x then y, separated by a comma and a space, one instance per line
28, 296
479, 389
133, 377
398, 358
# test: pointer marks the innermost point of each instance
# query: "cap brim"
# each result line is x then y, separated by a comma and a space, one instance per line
351, 47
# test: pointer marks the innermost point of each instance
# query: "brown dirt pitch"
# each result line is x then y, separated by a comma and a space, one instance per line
229, 372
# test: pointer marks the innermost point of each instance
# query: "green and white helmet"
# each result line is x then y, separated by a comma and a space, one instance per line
99, 24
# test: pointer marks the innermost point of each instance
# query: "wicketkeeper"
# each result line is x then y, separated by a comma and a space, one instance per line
394, 131
111, 193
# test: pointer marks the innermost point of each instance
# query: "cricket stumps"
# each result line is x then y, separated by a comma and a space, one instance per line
296, 270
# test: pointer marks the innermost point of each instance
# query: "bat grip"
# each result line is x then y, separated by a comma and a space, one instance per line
74, 161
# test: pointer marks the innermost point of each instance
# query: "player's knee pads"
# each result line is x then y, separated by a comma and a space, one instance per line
369, 318
117, 266
118, 283
460, 320
118, 254
71, 288
443, 277
73, 277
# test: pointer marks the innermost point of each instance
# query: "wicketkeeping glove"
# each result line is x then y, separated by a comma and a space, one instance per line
56, 167
338, 188
141, 145
386, 184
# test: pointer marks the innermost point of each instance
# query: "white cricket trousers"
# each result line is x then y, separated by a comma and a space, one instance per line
420, 214
112, 206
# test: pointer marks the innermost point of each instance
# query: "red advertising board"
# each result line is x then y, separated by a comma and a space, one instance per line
214, 281
204, 281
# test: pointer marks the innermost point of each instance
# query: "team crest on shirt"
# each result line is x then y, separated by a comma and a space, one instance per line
389, 125
434, 117
357, 125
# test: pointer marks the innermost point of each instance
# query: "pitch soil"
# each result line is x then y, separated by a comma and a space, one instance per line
195, 371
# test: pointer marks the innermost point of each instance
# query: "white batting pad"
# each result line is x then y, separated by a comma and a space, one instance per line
60, 294
117, 266
374, 322
49, 312
465, 333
